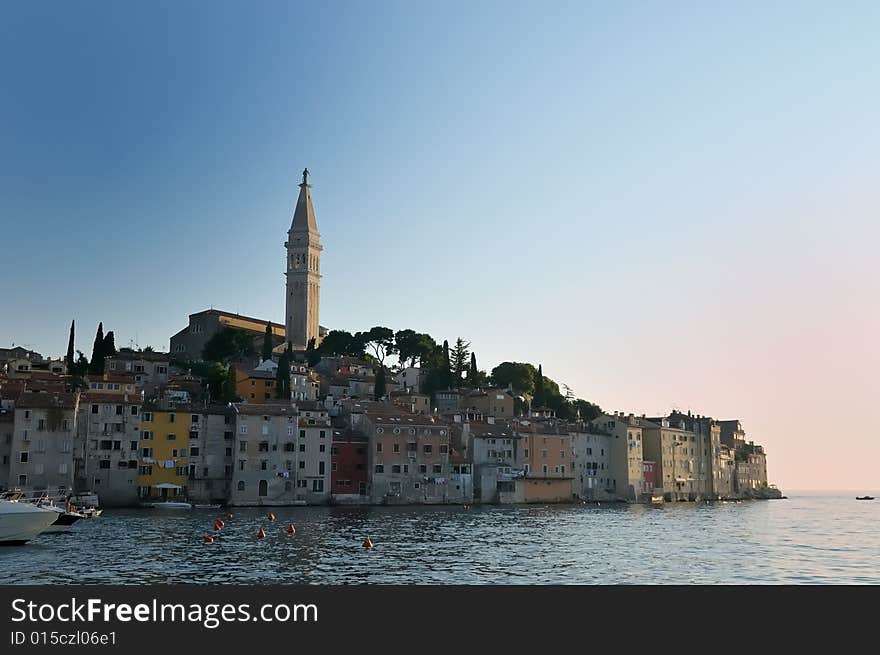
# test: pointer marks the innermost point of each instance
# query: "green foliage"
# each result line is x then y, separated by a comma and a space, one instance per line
282, 376
229, 394
214, 375
109, 347
458, 358
69, 358
539, 399
379, 387
473, 374
229, 343
339, 343
411, 346
380, 340
97, 363
435, 371
518, 375
267, 343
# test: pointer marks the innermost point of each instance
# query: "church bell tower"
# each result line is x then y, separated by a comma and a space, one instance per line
303, 271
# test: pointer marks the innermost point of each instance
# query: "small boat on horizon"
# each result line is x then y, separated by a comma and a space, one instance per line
167, 504
864, 497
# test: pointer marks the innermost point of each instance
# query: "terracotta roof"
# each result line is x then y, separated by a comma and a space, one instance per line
265, 410
46, 400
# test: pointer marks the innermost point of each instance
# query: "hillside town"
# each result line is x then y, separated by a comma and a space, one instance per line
246, 411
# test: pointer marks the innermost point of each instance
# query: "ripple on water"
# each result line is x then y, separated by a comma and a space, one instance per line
804, 540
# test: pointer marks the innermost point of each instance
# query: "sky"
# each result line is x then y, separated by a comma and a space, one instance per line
666, 204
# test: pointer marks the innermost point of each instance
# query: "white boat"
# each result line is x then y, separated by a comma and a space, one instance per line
206, 506
21, 522
167, 504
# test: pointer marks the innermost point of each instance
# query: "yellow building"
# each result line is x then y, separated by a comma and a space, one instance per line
256, 386
163, 460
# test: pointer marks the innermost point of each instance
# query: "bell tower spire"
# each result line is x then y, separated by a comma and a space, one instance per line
303, 270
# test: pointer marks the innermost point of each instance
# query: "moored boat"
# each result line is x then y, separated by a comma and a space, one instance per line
167, 504
864, 497
21, 522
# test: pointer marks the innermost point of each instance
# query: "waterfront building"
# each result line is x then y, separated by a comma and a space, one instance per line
163, 465
282, 455
257, 386
547, 461
626, 439
732, 434
42, 445
409, 456
673, 448
411, 401
497, 455
349, 478
119, 383
211, 453
591, 463
751, 469
7, 429
108, 439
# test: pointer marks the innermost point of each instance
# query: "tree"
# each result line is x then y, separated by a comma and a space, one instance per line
380, 340
313, 356
340, 342
267, 343
435, 372
230, 394
228, 343
458, 358
69, 358
97, 363
379, 386
540, 397
473, 374
518, 375
282, 376
109, 347
412, 346
588, 411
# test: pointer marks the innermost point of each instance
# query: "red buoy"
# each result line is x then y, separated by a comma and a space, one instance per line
271, 516
217, 527
219, 522
367, 543
229, 515
290, 529
208, 539
261, 534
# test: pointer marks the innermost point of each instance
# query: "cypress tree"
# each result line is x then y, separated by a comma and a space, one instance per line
69, 359
539, 397
97, 363
267, 343
379, 386
472, 372
109, 347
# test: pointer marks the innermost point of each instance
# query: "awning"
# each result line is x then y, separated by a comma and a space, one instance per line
167, 485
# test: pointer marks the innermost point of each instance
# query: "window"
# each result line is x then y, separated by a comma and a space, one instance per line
242, 446
171, 437
437, 468
104, 464
119, 410
395, 468
94, 409
229, 452
378, 446
106, 444
302, 434
194, 451
241, 485
243, 428
302, 448
193, 435
23, 457
134, 410
444, 449
396, 448
317, 485
380, 468
423, 468
289, 447
411, 447
322, 448
146, 417
172, 417
263, 447
264, 465
132, 445
428, 449
322, 434
146, 452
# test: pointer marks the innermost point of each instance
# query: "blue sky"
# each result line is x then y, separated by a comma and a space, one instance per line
664, 203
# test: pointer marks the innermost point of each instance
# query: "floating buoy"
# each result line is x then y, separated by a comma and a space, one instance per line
217, 527
229, 515
261, 534
208, 539
291, 530
367, 543
467, 506
271, 516
219, 522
